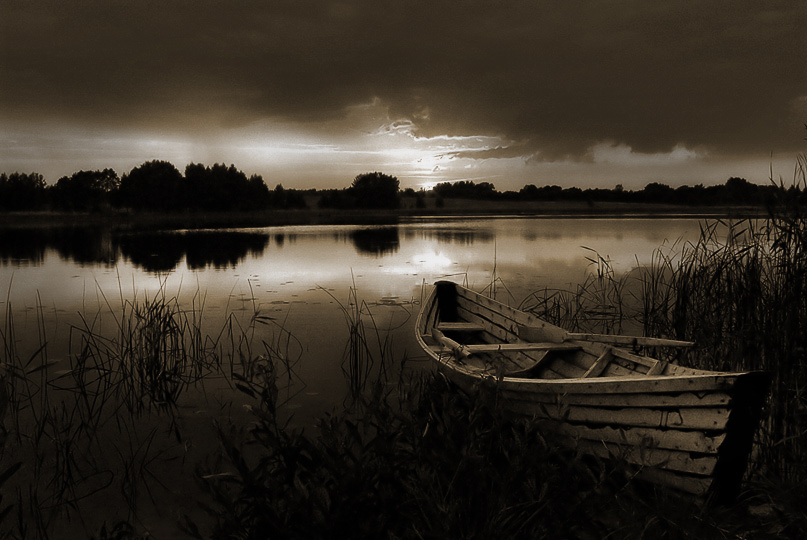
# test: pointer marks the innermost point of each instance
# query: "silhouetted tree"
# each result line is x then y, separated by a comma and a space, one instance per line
375, 190
740, 190
153, 185
224, 188
655, 192
286, 198
420, 200
691, 195
336, 198
20, 191
466, 190
256, 193
85, 190
531, 192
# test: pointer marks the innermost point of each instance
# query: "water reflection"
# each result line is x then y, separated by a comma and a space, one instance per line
84, 245
150, 251
22, 246
452, 235
524, 246
87, 246
161, 252
376, 241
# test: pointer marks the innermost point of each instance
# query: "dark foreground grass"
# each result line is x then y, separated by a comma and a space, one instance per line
440, 463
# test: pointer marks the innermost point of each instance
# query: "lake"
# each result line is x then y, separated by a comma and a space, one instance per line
302, 279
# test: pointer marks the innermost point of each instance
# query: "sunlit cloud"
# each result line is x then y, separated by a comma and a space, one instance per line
609, 152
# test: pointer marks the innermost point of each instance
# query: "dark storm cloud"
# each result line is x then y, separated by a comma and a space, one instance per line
556, 77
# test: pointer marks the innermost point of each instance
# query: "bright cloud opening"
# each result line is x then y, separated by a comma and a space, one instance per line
622, 154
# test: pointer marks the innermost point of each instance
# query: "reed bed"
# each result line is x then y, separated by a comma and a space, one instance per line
93, 434
436, 463
739, 292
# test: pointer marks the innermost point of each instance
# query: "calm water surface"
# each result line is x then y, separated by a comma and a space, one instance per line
302, 276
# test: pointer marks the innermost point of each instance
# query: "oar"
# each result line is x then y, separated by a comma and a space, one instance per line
555, 334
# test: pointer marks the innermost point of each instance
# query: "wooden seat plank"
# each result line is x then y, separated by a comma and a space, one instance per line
460, 327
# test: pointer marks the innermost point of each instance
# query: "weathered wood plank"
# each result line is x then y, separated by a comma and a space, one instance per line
493, 322
515, 347
712, 419
542, 332
681, 440
547, 373
499, 364
670, 460
721, 382
427, 320
613, 369
536, 359
675, 369
657, 369
568, 370
641, 360
694, 485
459, 327
497, 334
599, 364
515, 316
683, 399
579, 358
550, 332
631, 341
458, 349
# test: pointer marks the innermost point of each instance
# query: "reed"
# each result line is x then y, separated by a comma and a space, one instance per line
740, 292
368, 348
393, 471
95, 426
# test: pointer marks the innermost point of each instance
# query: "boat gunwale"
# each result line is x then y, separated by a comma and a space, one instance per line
704, 381
657, 384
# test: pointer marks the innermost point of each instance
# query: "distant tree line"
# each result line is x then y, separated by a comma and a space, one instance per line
736, 191
159, 186
152, 186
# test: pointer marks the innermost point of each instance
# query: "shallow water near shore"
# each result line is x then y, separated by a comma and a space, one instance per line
302, 276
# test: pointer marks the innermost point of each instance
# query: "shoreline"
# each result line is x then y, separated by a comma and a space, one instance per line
453, 209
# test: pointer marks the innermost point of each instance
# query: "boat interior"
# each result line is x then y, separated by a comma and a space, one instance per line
483, 335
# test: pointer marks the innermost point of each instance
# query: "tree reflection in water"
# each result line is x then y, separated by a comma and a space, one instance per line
376, 241
151, 251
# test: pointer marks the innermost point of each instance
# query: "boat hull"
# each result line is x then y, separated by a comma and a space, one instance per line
689, 429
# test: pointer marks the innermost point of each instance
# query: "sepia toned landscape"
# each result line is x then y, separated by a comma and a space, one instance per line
411, 270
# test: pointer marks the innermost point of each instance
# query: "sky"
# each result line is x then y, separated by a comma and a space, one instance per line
309, 94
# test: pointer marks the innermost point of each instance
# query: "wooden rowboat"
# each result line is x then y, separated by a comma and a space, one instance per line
686, 428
